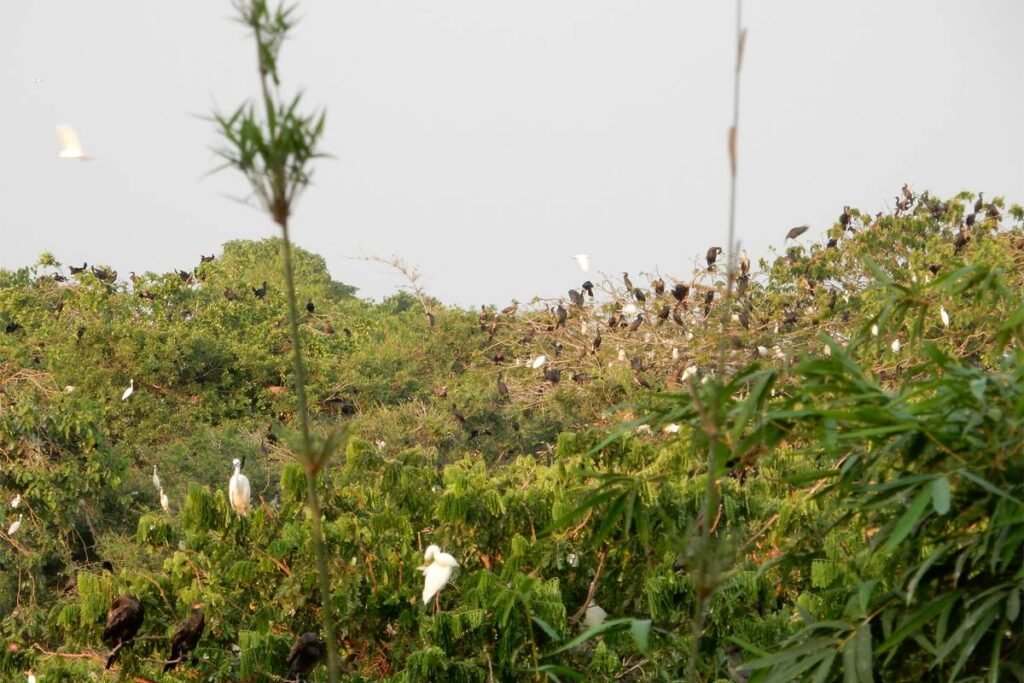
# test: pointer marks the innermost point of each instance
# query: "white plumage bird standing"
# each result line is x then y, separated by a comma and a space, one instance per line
165, 503
437, 570
71, 147
238, 490
17, 501
129, 391
156, 480
15, 525
594, 616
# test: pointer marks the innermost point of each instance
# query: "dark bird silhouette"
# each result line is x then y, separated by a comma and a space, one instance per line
78, 334
741, 284
677, 316
680, 292
188, 633
712, 256
230, 295
260, 292
483, 318
76, 271
709, 296
638, 294
184, 275
588, 287
596, 344
832, 243
12, 327
553, 375
123, 621
934, 268
790, 318
962, 238
907, 193
511, 310
980, 203
844, 218
147, 295
502, 387
304, 657
576, 298
970, 219
561, 314
626, 281
992, 211
663, 314
206, 259
797, 231
580, 377
658, 286
310, 308
431, 320
633, 326
613, 320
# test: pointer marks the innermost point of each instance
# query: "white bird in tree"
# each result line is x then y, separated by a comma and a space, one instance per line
437, 570
165, 504
594, 616
129, 391
156, 480
71, 147
15, 525
584, 262
17, 501
238, 490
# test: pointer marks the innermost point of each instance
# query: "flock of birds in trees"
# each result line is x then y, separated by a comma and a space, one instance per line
632, 308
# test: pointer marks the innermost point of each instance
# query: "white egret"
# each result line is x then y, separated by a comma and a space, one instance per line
539, 361
129, 391
31, 678
165, 504
71, 147
895, 345
594, 616
584, 262
827, 350
874, 330
238, 489
688, 373
17, 501
15, 525
437, 570
69, 389
944, 315
672, 428
156, 480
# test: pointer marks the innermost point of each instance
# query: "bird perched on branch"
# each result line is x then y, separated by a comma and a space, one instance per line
124, 618
588, 287
186, 636
238, 489
626, 281
437, 570
304, 657
712, 256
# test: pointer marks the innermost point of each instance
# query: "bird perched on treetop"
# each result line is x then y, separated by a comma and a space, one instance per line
124, 618
744, 262
626, 281
712, 256
238, 489
186, 636
305, 655
588, 286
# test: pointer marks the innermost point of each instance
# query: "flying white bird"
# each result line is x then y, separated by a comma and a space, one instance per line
165, 504
595, 615
238, 489
436, 571
156, 480
129, 391
71, 148
539, 361
15, 525
944, 315
584, 261
17, 501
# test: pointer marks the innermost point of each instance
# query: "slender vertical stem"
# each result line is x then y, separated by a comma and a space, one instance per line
307, 461
704, 581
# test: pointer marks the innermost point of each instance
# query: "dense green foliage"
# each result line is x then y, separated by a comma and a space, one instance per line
868, 508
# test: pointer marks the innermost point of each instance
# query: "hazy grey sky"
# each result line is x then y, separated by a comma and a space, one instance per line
488, 141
